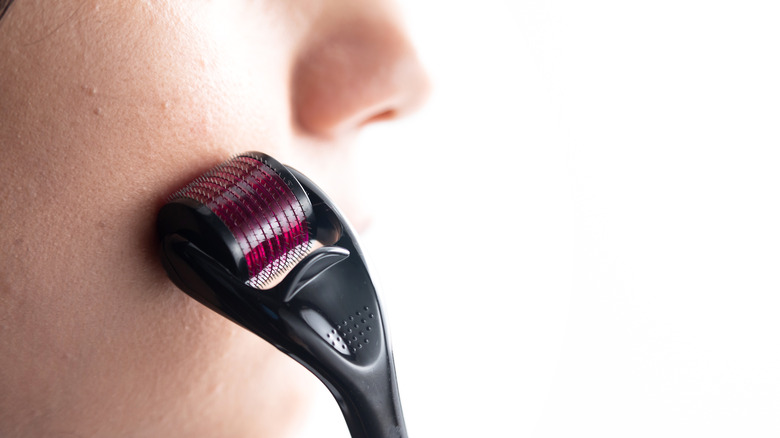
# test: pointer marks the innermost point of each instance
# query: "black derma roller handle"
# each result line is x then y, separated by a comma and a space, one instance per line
324, 313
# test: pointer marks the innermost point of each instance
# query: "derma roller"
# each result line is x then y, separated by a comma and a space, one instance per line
249, 223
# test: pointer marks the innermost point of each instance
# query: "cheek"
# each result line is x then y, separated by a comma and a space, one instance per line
96, 146
101, 142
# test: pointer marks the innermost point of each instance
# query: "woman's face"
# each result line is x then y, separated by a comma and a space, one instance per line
107, 107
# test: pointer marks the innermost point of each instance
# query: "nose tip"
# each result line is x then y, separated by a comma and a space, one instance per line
362, 70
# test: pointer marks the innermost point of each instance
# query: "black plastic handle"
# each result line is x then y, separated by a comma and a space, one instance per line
325, 314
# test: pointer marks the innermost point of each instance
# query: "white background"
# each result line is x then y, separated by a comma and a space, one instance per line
580, 233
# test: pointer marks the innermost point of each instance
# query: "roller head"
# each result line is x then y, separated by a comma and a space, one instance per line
250, 213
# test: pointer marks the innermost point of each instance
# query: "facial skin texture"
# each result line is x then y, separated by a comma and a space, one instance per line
107, 107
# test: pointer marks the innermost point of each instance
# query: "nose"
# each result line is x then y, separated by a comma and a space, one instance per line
360, 68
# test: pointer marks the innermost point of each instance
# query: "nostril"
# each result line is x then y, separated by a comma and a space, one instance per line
382, 116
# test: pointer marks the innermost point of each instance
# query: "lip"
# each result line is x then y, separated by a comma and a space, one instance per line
363, 223
338, 177
355, 207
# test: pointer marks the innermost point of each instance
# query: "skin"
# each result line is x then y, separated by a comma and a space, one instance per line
105, 109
